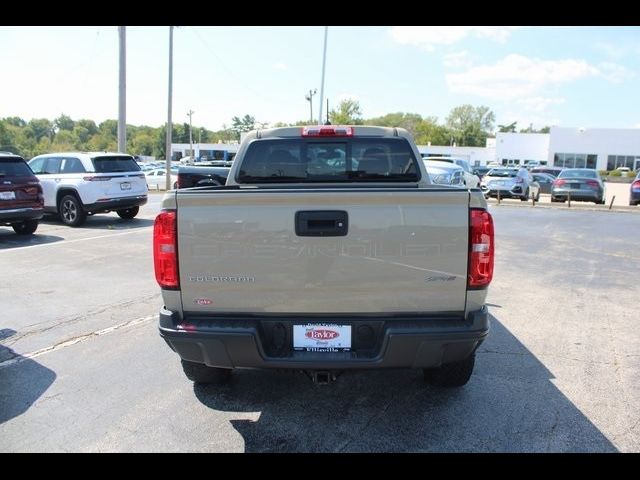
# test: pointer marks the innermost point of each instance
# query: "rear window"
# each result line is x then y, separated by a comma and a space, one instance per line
502, 172
112, 164
14, 167
578, 173
329, 160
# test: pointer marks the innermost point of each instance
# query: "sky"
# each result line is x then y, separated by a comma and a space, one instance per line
566, 76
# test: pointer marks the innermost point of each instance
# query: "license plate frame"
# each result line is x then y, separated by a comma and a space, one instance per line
322, 337
125, 186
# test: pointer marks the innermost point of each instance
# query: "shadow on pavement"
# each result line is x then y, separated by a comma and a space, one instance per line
103, 221
11, 240
509, 405
21, 383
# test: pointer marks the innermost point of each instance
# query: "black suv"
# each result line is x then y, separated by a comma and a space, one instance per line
21, 199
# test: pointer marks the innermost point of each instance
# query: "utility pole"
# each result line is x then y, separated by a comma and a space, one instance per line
324, 62
169, 125
122, 92
309, 98
191, 112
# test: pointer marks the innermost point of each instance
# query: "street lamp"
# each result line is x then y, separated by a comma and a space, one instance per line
169, 125
309, 99
190, 113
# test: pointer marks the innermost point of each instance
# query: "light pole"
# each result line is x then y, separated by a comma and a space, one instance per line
169, 125
122, 92
324, 62
191, 112
309, 98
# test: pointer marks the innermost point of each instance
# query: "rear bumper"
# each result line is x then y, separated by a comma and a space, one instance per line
16, 215
634, 197
505, 191
378, 342
116, 204
578, 195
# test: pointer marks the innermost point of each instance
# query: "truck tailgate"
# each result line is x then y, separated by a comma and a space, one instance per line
405, 251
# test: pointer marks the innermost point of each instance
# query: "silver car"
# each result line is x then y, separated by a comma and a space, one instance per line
583, 184
510, 182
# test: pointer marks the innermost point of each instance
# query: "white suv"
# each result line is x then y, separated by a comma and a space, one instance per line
471, 180
77, 184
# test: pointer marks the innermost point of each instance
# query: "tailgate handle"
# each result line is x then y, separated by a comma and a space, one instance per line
322, 223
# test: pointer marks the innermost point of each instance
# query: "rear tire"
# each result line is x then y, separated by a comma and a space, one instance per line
25, 228
128, 213
71, 211
451, 374
200, 373
525, 196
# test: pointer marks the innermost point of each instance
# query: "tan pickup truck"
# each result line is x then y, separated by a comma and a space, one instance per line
327, 249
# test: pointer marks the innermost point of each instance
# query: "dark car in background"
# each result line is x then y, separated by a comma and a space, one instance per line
634, 193
544, 180
481, 171
553, 171
21, 199
201, 176
581, 184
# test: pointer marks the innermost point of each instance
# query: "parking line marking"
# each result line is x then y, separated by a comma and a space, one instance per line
65, 242
73, 341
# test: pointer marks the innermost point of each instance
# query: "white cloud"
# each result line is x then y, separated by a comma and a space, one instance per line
430, 37
637, 125
457, 59
615, 72
280, 66
517, 77
539, 104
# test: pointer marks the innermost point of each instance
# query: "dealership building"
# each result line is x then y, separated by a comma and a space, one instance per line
599, 148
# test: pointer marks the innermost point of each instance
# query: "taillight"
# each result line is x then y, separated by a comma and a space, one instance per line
327, 131
481, 249
559, 183
636, 185
593, 183
165, 249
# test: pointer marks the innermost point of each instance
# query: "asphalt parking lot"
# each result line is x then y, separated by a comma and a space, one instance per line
82, 367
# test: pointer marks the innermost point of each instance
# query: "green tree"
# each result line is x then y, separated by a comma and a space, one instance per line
244, 124
41, 127
470, 125
429, 131
347, 113
508, 128
15, 121
89, 125
109, 128
63, 122
408, 121
141, 144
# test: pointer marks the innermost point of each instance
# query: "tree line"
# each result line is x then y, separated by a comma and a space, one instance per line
465, 125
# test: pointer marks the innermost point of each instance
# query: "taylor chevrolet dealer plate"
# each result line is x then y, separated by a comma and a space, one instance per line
322, 337
7, 195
